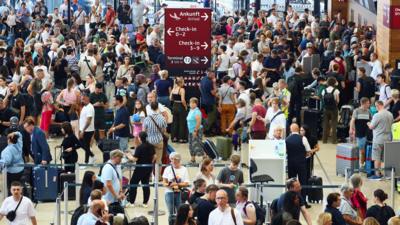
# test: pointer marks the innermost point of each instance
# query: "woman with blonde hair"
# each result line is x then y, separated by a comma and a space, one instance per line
163, 88
325, 219
370, 221
179, 108
395, 220
90, 83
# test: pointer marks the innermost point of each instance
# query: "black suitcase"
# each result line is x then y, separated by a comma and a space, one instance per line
106, 146
316, 194
342, 132
313, 119
210, 149
70, 178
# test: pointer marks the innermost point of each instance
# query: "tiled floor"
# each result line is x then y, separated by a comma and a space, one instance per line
46, 211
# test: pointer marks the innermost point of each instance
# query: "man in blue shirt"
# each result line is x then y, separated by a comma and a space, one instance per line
273, 64
333, 200
208, 90
120, 128
96, 213
111, 176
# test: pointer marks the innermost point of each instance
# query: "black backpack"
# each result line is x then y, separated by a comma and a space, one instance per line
261, 212
78, 213
368, 87
329, 99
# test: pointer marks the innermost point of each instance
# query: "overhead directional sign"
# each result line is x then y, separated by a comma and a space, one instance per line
187, 38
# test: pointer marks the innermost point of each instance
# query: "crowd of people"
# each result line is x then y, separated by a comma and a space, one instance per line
104, 77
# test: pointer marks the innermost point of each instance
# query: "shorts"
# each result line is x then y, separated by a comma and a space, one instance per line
377, 151
99, 124
361, 143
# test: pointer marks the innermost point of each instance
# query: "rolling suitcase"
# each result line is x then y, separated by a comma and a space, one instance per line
315, 195
45, 183
224, 147
70, 178
108, 119
369, 164
346, 157
210, 149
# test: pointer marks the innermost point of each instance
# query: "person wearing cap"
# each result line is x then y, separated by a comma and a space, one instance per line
100, 102
86, 126
11, 155
5, 116
111, 176
175, 177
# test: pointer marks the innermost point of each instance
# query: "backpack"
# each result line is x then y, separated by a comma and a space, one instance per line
368, 87
329, 99
261, 212
78, 213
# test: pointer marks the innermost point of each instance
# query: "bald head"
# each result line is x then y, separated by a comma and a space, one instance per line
294, 128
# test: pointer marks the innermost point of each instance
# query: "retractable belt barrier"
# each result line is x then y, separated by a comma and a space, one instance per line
157, 185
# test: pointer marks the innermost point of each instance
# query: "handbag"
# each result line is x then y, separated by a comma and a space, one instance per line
185, 193
13, 213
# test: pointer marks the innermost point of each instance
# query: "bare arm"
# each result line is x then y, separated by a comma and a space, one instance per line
306, 215
251, 215
33, 219
111, 188
350, 221
23, 111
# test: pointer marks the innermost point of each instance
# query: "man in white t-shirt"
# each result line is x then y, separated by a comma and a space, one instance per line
256, 67
375, 64
88, 64
151, 97
25, 211
224, 214
139, 10
222, 63
385, 92
86, 127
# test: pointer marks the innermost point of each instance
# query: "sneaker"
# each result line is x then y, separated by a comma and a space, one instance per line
129, 205
145, 206
375, 177
92, 160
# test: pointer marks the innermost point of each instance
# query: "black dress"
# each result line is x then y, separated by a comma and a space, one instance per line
71, 157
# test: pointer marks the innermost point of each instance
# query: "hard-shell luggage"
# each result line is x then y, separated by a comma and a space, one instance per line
108, 119
369, 164
315, 195
313, 119
346, 157
224, 147
210, 149
45, 183
70, 178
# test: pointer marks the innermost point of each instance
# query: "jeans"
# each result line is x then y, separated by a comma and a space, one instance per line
123, 143
173, 201
87, 137
140, 175
164, 100
179, 127
330, 123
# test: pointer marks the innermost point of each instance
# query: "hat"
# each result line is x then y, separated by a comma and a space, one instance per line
309, 45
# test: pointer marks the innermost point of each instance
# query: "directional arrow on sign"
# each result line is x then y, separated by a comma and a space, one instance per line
170, 31
205, 16
205, 45
176, 17
204, 60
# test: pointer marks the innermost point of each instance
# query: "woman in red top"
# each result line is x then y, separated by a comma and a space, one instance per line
257, 126
358, 199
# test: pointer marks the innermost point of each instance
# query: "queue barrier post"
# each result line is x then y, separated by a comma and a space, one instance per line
392, 188
156, 178
58, 211
66, 203
5, 188
77, 180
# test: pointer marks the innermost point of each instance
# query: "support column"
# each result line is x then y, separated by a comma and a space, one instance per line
335, 6
388, 31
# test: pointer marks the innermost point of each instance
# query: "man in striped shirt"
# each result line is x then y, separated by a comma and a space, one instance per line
155, 124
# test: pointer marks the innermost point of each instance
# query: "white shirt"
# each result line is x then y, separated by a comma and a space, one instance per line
152, 36
24, 212
209, 180
150, 112
245, 96
238, 47
330, 89
256, 66
125, 47
305, 142
279, 120
87, 111
182, 175
84, 66
272, 19
224, 65
385, 93
45, 35
217, 217
376, 68
4, 91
